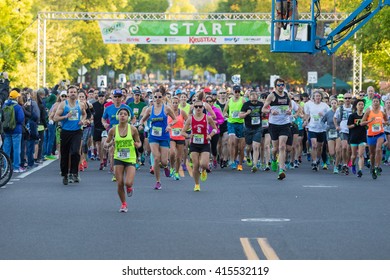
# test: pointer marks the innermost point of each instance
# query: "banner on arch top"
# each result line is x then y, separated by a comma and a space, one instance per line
204, 32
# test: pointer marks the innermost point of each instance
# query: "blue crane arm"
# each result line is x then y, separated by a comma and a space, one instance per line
353, 23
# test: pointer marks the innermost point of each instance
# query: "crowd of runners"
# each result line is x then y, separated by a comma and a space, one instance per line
204, 128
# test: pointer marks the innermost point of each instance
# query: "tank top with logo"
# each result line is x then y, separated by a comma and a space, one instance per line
124, 146
72, 122
175, 132
199, 130
281, 104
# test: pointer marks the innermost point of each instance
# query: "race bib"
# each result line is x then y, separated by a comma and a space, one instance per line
264, 123
376, 127
255, 120
316, 118
136, 110
235, 114
104, 133
198, 139
332, 133
283, 109
156, 131
123, 153
176, 131
74, 115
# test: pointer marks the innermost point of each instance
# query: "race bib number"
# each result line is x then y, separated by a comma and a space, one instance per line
136, 110
264, 123
376, 127
332, 133
74, 115
156, 131
283, 109
235, 114
316, 118
176, 131
255, 120
198, 139
104, 133
124, 154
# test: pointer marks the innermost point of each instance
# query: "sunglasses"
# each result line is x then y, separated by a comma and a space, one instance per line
280, 85
237, 91
209, 101
158, 96
198, 106
117, 96
347, 98
64, 96
222, 93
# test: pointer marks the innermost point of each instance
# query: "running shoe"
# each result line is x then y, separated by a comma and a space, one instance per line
20, 170
249, 161
359, 174
81, 167
70, 178
215, 165
76, 178
314, 166
171, 172
203, 175
101, 166
374, 174
129, 191
151, 170
254, 169
233, 165
296, 164
176, 176
142, 159
184, 167
137, 166
157, 186
274, 166
113, 179
267, 168
350, 163
93, 157
85, 164
345, 169
50, 157
65, 180
335, 170
123, 208
239, 167
281, 175
287, 164
197, 188
308, 157
354, 169
379, 170
324, 166
166, 171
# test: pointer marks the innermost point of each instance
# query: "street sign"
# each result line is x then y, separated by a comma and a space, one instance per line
132, 77
82, 71
111, 74
122, 78
171, 56
102, 81
272, 80
236, 79
81, 79
312, 77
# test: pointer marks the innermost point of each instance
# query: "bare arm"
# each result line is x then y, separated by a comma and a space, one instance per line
59, 112
134, 133
186, 127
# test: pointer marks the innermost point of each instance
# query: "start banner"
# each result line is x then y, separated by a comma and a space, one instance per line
194, 32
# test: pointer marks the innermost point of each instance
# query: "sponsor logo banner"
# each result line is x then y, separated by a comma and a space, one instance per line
194, 32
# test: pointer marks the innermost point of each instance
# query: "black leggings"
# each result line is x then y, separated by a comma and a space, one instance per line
70, 147
214, 144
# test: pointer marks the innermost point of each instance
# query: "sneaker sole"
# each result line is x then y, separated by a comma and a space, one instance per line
281, 176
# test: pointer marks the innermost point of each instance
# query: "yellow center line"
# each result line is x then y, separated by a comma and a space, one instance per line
248, 249
268, 251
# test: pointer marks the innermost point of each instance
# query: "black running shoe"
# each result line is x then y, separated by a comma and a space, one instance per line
65, 180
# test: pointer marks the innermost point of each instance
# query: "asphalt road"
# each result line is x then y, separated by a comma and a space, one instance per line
237, 215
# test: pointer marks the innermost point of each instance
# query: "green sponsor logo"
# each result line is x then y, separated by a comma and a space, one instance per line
113, 28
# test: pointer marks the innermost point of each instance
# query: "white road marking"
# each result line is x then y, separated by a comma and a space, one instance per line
319, 186
45, 163
266, 220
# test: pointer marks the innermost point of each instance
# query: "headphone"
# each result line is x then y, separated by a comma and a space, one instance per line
128, 112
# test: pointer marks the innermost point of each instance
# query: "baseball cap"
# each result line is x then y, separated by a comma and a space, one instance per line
236, 88
340, 97
101, 93
117, 92
178, 91
14, 94
137, 91
207, 90
63, 93
214, 92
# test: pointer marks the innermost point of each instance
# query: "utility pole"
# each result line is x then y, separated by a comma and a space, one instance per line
334, 92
